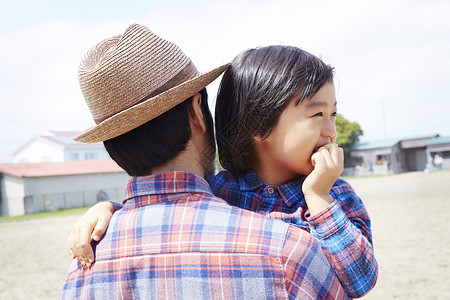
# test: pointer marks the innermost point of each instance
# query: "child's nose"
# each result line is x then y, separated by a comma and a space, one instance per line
329, 130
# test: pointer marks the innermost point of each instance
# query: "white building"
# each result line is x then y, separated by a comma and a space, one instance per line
58, 146
34, 187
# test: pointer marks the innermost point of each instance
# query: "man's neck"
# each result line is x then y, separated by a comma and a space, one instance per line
186, 161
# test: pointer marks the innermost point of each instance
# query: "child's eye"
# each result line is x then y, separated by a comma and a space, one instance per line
335, 114
318, 114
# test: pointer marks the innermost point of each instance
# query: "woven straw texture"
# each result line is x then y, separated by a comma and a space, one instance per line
120, 76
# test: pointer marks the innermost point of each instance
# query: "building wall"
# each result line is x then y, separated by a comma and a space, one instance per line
379, 161
406, 155
443, 150
12, 195
38, 151
62, 192
368, 162
414, 160
41, 150
395, 160
86, 153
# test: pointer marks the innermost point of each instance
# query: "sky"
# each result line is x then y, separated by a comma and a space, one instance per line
391, 58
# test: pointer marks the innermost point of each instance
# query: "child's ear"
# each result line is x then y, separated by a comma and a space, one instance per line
258, 138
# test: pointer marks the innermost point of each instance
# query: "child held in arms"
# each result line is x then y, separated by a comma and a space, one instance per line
275, 129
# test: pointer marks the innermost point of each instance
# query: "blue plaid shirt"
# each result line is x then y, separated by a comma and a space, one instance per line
342, 229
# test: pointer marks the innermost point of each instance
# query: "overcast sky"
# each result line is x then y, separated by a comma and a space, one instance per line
392, 58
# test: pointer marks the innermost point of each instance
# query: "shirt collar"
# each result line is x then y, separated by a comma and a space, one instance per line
251, 181
290, 192
166, 183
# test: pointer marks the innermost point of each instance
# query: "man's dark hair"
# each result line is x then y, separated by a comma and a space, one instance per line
158, 141
254, 91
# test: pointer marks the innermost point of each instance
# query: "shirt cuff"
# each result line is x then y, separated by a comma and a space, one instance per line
117, 206
328, 221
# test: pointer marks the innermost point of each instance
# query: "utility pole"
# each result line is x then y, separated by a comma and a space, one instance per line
384, 118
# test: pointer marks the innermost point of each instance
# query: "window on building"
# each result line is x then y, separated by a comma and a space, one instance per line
382, 159
73, 156
90, 155
443, 154
357, 160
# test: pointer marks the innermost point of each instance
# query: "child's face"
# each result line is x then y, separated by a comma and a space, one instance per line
301, 129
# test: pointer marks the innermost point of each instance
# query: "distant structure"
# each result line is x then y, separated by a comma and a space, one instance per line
439, 146
392, 156
34, 187
57, 146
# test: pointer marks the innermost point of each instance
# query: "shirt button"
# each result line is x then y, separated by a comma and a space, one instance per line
270, 190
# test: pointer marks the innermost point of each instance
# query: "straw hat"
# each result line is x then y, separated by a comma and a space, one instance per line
132, 78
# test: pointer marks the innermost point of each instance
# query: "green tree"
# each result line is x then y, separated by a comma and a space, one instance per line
348, 135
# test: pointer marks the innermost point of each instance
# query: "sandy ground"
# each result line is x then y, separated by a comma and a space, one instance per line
410, 224
410, 216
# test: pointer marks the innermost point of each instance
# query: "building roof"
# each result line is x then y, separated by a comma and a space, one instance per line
62, 139
65, 139
439, 140
73, 167
376, 144
387, 143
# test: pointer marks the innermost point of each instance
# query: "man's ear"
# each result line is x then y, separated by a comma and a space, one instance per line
196, 114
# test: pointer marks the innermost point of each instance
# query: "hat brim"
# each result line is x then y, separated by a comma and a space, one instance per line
143, 112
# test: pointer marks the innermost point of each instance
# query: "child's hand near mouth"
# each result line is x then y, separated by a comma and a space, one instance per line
328, 162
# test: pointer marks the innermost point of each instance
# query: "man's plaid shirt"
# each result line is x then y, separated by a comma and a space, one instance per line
174, 240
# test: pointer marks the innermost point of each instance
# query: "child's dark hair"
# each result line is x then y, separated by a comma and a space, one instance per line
254, 91
158, 141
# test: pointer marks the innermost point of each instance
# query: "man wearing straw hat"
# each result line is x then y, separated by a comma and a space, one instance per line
173, 239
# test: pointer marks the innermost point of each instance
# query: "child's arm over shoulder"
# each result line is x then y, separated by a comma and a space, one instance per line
343, 231
91, 225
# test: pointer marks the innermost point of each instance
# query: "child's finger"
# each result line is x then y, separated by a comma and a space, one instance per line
324, 152
84, 245
100, 229
317, 159
74, 245
335, 152
69, 244
326, 146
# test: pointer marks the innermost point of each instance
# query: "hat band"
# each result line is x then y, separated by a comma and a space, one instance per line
187, 73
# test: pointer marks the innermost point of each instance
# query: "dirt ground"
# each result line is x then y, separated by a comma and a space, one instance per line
410, 222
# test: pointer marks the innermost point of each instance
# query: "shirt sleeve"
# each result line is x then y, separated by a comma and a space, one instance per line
308, 273
117, 206
343, 231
